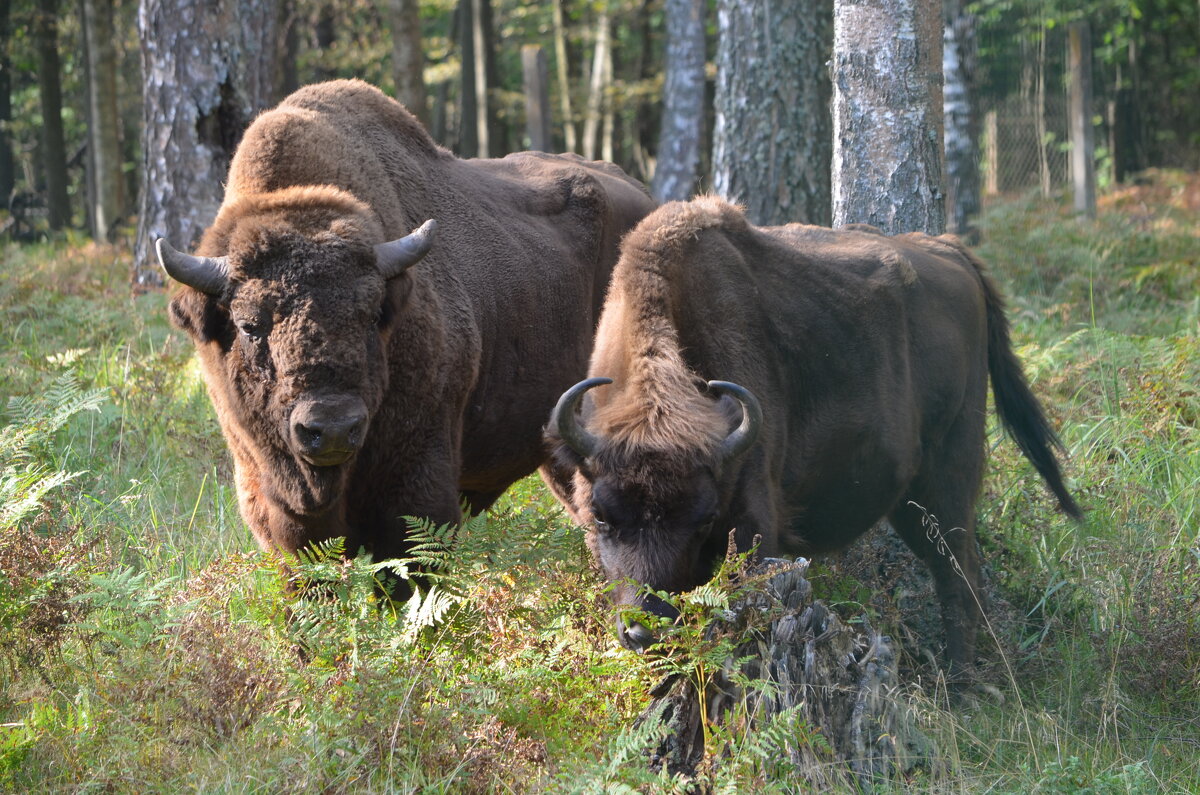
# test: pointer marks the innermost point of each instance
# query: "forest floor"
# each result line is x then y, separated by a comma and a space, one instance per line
147, 646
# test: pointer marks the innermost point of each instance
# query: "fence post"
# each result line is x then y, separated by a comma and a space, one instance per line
1083, 173
991, 154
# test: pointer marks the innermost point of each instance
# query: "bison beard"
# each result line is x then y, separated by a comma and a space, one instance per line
361, 371
863, 363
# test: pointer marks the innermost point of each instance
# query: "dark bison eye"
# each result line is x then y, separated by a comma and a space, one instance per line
253, 330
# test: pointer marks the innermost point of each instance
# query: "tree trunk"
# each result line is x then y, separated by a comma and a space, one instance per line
537, 97
771, 138
104, 142
287, 78
564, 78
595, 105
887, 115
1083, 146
8, 176
468, 114
482, 42
958, 103
208, 68
54, 147
326, 35
1039, 115
677, 169
408, 61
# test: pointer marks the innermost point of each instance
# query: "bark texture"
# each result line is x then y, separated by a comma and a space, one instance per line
408, 61
771, 137
801, 662
887, 115
678, 165
958, 104
104, 122
54, 147
207, 69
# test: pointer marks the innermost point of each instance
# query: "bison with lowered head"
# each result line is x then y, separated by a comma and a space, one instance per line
362, 371
854, 373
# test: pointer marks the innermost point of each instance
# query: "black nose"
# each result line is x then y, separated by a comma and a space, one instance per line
328, 430
635, 637
633, 634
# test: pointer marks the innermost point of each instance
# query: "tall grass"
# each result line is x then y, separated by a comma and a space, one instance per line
145, 645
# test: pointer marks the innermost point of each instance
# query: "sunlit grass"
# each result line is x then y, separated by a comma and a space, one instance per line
145, 645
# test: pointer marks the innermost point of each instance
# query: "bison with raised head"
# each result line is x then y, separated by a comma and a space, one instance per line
854, 371
362, 371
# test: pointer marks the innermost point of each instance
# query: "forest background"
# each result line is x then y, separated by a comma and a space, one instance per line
145, 645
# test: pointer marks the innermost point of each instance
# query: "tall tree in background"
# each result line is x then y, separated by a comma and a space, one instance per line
771, 140
54, 147
601, 83
7, 173
208, 66
563, 71
961, 121
678, 166
408, 61
104, 124
479, 132
887, 115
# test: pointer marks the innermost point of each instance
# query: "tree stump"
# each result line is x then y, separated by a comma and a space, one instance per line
834, 684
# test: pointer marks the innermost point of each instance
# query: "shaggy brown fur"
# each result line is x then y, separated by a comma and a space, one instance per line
456, 360
870, 357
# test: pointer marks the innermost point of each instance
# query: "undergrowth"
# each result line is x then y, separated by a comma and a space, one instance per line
145, 645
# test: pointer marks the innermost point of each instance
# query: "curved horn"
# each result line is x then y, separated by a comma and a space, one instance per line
206, 274
396, 256
742, 437
562, 419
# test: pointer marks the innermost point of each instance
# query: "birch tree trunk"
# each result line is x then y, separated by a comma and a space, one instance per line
208, 68
683, 102
104, 143
771, 137
887, 115
595, 105
54, 147
958, 104
408, 61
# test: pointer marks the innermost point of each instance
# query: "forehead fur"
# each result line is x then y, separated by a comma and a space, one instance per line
322, 213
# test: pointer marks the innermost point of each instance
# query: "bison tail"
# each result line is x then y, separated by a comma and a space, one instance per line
1019, 410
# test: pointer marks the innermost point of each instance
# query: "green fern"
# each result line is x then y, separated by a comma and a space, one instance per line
26, 476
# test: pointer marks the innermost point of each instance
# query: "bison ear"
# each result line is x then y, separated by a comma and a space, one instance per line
397, 256
199, 315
